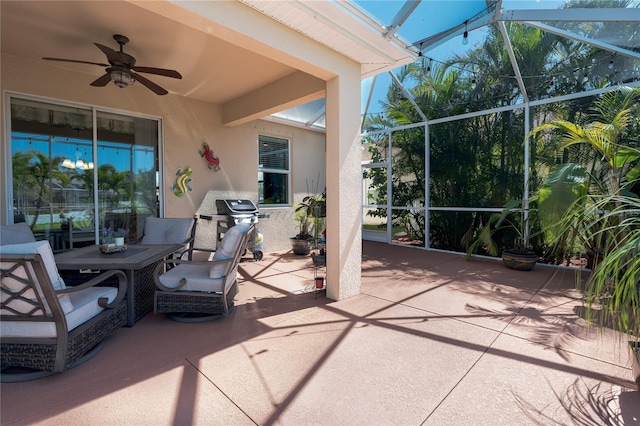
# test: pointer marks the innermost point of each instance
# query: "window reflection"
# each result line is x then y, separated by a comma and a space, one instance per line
54, 170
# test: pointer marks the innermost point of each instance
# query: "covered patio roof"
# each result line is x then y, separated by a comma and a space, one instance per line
223, 64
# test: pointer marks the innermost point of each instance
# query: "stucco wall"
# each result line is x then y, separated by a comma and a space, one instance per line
186, 124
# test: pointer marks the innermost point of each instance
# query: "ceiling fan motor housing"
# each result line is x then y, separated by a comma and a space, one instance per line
121, 76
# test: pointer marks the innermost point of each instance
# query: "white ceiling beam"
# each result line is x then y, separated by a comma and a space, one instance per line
576, 37
317, 115
440, 38
366, 108
405, 11
573, 15
295, 89
514, 62
408, 96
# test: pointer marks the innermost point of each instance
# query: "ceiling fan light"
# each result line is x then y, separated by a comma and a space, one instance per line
121, 78
68, 164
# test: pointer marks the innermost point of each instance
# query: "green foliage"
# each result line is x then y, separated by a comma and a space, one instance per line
479, 161
308, 213
34, 173
564, 186
516, 216
613, 288
610, 156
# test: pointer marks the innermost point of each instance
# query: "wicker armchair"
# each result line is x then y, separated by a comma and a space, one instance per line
171, 231
202, 291
45, 327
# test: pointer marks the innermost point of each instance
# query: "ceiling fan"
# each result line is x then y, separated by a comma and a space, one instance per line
122, 68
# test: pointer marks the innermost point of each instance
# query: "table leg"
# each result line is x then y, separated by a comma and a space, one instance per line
140, 293
131, 297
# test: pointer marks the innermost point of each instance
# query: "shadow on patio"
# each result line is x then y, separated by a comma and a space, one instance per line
432, 339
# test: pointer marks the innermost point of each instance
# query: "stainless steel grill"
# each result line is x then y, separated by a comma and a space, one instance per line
241, 211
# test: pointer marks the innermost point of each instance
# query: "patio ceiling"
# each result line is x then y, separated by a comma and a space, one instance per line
216, 67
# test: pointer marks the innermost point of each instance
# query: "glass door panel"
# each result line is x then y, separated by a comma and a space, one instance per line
127, 167
51, 156
54, 169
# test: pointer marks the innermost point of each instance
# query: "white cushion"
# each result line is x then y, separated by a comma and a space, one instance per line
44, 250
227, 249
197, 277
85, 304
85, 307
16, 233
219, 270
166, 230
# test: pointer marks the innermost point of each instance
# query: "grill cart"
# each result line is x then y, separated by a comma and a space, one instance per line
241, 211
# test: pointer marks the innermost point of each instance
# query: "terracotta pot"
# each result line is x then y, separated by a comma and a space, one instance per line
519, 261
319, 282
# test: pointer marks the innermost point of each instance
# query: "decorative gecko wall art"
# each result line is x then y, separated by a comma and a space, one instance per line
183, 179
206, 152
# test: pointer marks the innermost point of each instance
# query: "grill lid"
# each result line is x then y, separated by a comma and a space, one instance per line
236, 207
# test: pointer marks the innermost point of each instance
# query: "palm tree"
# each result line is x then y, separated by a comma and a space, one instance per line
606, 150
34, 170
609, 136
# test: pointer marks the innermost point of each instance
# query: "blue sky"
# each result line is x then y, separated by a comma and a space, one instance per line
429, 18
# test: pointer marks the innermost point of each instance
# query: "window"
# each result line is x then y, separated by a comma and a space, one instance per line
273, 171
56, 165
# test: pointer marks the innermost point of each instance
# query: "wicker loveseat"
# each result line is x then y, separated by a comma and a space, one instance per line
45, 327
195, 291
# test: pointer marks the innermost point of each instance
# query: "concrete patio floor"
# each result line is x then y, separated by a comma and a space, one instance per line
432, 339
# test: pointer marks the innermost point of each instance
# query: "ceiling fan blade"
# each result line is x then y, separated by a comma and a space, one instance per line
158, 71
102, 81
112, 55
75, 61
150, 85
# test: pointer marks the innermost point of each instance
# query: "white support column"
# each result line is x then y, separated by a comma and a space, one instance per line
344, 216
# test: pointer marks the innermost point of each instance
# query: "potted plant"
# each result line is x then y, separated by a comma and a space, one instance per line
108, 238
301, 242
119, 236
113, 241
516, 218
308, 214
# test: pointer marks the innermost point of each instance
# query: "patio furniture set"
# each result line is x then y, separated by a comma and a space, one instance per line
57, 309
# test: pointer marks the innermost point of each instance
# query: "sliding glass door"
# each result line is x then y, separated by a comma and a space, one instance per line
127, 168
76, 171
